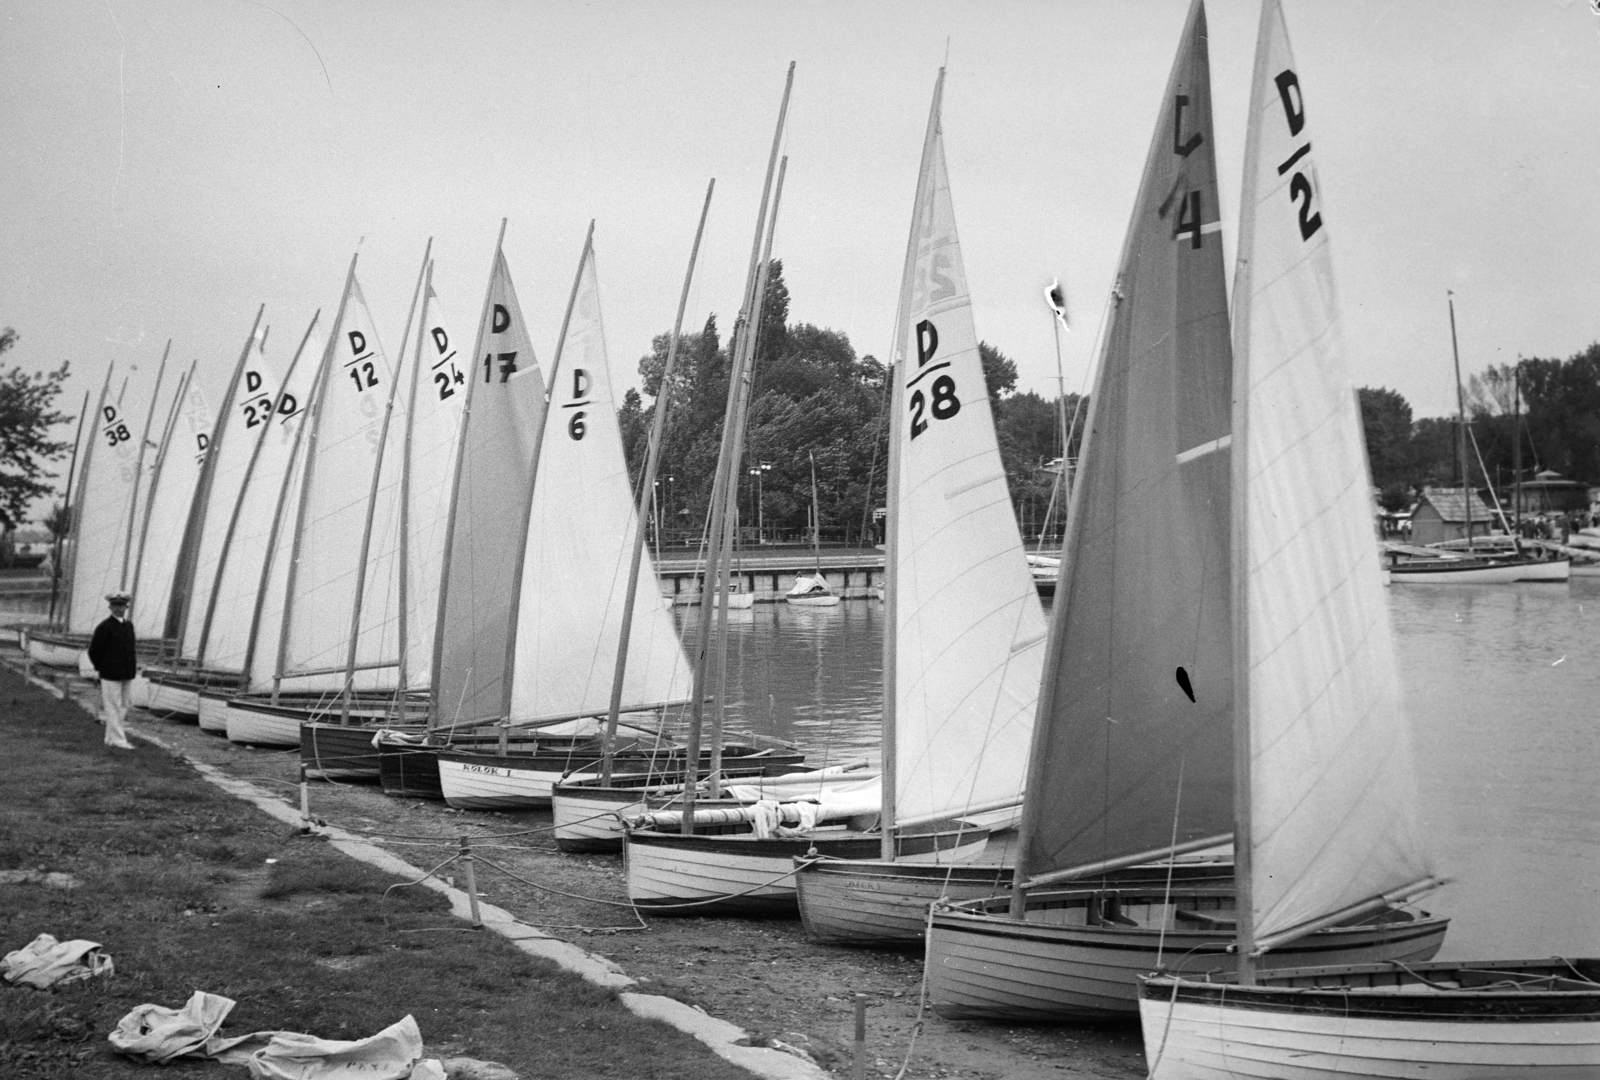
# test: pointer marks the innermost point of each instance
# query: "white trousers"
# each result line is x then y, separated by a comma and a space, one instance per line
113, 710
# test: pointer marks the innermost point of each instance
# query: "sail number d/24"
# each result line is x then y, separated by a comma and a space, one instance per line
940, 399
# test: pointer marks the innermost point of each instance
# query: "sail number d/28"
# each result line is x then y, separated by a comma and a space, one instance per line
940, 399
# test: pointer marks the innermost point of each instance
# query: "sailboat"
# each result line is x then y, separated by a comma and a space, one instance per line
341, 619
964, 648
1134, 750
812, 590
1326, 826
569, 594
104, 514
177, 686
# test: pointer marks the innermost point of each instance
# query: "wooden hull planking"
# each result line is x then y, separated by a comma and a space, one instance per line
885, 905
1053, 966
1380, 1021
738, 873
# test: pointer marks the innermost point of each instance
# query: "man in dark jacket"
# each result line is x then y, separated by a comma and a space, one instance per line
111, 651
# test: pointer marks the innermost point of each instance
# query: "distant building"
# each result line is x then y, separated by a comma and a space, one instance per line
1441, 514
1549, 493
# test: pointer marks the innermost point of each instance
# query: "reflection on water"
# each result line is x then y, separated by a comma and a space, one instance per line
1503, 687
808, 675
1502, 684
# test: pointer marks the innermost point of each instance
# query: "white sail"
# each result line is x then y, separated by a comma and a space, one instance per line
103, 509
489, 510
261, 654
1332, 818
173, 493
343, 447
238, 425
234, 612
969, 630
580, 543
437, 396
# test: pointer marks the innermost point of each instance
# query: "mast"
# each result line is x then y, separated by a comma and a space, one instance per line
647, 492
188, 559
372, 504
277, 513
66, 509
318, 393
484, 314
751, 338
83, 487
155, 474
1516, 448
720, 484
405, 476
138, 469
533, 479
1461, 413
816, 519
895, 373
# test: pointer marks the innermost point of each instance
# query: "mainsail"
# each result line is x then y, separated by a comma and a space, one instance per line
103, 509
580, 539
488, 512
234, 600
1133, 738
343, 447
182, 459
1330, 811
437, 395
245, 405
969, 634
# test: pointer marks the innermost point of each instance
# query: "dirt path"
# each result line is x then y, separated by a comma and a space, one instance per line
763, 975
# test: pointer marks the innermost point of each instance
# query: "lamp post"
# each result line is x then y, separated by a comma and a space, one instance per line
758, 471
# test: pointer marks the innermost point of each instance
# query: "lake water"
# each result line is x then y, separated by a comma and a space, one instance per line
1502, 684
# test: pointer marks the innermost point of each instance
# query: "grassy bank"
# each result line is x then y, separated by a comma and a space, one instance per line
189, 889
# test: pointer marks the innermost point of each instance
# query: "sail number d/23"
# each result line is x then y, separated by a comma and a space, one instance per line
940, 399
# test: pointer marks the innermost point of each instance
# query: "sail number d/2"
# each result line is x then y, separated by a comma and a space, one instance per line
1294, 114
940, 400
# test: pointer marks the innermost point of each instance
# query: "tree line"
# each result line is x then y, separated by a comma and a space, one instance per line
1552, 406
811, 398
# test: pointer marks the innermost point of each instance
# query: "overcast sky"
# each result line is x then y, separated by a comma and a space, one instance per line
171, 165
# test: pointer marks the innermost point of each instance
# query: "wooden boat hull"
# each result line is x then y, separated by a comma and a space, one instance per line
1053, 966
736, 873
174, 696
53, 650
213, 715
409, 771
1489, 572
587, 818
1547, 570
885, 904
488, 781
332, 751
828, 600
255, 724
1379, 1020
